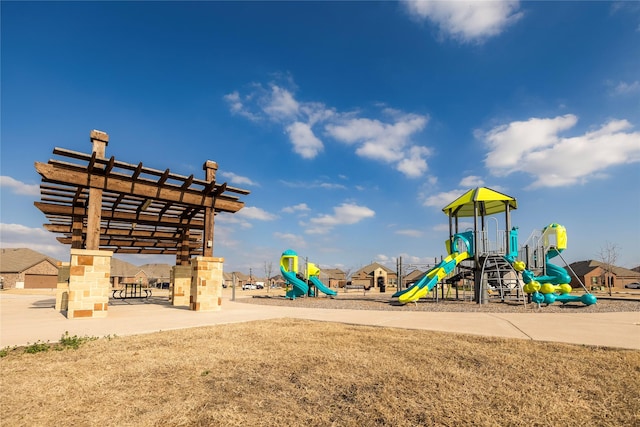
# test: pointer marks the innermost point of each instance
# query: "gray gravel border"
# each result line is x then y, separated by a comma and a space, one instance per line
379, 301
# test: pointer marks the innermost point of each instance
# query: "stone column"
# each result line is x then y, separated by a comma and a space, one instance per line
206, 283
180, 285
89, 285
62, 291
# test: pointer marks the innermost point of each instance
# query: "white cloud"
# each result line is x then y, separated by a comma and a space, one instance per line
624, 88
534, 147
414, 165
386, 142
228, 220
281, 104
383, 259
410, 233
467, 21
18, 187
462, 225
301, 207
290, 239
38, 239
314, 184
440, 200
304, 141
508, 144
259, 214
389, 142
471, 181
237, 107
345, 214
238, 179
441, 227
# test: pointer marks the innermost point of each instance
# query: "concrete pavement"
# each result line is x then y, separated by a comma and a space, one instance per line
30, 318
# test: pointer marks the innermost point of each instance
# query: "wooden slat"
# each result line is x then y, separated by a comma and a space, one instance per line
51, 209
149, 171
174, 218
137, 187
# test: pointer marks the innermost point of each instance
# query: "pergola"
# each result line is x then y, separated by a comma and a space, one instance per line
99, 203
102, 206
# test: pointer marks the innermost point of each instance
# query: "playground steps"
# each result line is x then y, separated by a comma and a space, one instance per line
501, 280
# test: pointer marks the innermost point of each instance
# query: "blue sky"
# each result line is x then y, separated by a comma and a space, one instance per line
352, 124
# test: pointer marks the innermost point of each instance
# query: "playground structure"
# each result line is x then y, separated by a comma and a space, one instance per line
495, 266
301, 286
553, 283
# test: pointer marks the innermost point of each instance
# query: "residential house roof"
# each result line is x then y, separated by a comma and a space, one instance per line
157, 271
414, 276
333, 273
582, 268
121, 268
17, 260
367, 270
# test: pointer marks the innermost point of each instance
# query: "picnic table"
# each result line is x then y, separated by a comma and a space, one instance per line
131, 290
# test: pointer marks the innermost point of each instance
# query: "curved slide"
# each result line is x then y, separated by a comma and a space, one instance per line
423, 286
556, 275
299, 287
321, 287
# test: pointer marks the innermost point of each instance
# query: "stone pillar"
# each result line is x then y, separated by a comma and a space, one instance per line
62, 290
206, 283
180, 285
89, 284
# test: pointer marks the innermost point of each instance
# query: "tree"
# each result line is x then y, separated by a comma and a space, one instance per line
608, 258
268, 266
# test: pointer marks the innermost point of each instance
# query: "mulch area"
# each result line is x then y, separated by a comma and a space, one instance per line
378, 301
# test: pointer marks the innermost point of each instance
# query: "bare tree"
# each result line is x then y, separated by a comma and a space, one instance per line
608, 257
268, 266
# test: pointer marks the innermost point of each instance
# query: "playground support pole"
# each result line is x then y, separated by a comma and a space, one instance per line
233, 286
507, 234
477, 280
574, 274
451, 231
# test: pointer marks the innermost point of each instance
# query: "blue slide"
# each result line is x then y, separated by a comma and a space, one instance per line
321, 287
299, 287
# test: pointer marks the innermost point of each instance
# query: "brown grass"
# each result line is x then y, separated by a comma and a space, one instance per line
294, 372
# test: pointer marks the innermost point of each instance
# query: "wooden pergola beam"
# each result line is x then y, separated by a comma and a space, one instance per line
112, 231
143, 218
116, 183
97, 203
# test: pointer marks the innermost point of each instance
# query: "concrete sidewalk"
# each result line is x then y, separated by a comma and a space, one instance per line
30, 318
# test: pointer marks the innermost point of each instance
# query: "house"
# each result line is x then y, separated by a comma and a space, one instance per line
374, 275
332, 277
593, 275
277, 281
147, 274
125, 272
157, 274
24, 268
413, 277
241, 279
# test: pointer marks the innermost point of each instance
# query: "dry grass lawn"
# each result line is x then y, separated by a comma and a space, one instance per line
302, 373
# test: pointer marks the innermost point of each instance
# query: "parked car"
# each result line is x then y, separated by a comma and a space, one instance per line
248, 286
259, 286
634, 285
